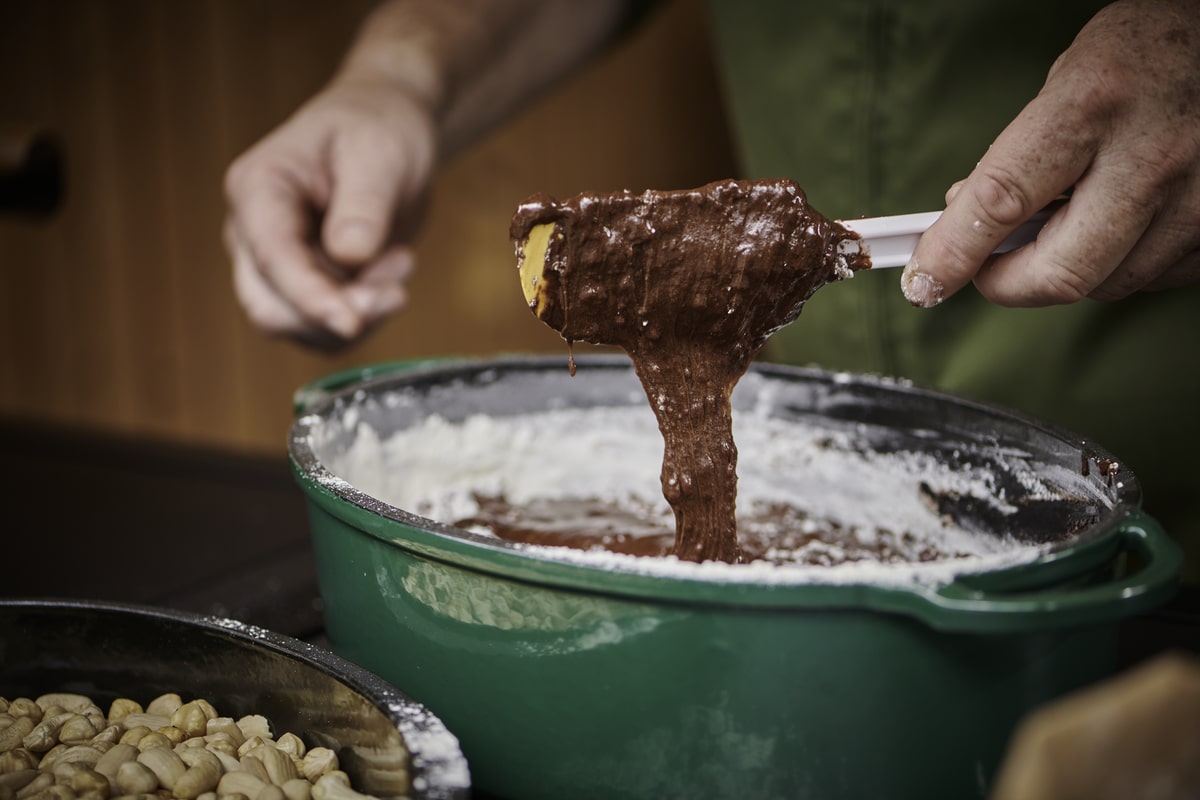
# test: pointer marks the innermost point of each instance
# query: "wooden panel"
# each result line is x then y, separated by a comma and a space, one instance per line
118, 312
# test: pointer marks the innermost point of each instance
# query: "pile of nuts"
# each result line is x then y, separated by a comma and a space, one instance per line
64, 747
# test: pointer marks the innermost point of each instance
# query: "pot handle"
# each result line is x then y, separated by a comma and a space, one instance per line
958, 607
312, 394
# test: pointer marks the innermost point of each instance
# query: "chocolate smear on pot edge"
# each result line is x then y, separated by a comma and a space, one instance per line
691, 284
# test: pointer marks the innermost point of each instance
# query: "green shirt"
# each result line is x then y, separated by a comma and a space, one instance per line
877, 107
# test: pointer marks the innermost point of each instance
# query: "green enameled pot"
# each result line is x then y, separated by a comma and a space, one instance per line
568, 679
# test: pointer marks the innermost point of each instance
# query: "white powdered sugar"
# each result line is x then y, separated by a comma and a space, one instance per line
435, 468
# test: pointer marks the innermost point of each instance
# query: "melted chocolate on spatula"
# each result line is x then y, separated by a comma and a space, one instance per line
690, 284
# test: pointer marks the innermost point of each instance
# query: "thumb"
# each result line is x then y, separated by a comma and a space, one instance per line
363, 198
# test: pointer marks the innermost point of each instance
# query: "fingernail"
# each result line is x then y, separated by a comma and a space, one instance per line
920, 288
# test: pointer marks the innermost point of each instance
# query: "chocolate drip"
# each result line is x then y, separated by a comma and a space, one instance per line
691, 284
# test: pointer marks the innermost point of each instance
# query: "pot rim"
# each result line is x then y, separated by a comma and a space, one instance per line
1006, 589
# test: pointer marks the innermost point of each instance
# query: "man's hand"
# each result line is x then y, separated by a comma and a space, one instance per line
321, 209
1117, 125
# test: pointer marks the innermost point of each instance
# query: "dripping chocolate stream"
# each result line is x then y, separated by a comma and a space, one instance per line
691, 284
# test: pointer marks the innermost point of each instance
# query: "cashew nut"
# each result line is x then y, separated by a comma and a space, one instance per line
165, 763
203, 773
64, 747
134, 777
12, 736
335, 786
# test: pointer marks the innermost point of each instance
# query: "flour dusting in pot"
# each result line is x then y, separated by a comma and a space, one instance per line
586, 479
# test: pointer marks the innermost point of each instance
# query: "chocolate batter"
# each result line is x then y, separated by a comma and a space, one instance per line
777, 533
690, 284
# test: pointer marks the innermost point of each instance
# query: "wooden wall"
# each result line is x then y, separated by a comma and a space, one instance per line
117, 312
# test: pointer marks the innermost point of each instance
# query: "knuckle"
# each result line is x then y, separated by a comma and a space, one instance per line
242, 173
1035, 285
1085, 92
1002, 200
265, 165
1101, 95
1061, 284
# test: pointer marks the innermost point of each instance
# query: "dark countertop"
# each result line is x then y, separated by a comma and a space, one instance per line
116, 518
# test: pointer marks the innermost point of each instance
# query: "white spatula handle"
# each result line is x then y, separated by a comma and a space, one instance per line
889, 241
